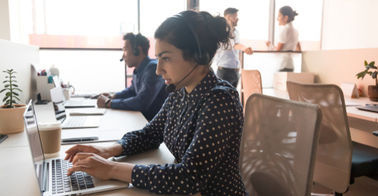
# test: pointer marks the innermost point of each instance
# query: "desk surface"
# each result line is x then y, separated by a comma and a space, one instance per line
16, 166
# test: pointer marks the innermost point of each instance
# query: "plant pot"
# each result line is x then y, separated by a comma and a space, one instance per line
373, 92
11, 120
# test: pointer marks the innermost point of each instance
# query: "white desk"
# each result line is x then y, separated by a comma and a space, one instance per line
17, 175
370, 119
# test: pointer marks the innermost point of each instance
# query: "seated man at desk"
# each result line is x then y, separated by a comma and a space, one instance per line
147, 91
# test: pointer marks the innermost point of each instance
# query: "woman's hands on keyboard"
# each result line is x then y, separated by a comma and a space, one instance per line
93, 165
104, 152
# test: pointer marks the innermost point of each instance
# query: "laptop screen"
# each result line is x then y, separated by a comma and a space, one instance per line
57, 99
32, 131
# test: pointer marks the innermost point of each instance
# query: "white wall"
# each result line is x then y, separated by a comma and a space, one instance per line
87, 70
19, 57
4, 20
350, 24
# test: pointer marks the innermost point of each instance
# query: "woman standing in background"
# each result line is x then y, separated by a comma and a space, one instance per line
288, 37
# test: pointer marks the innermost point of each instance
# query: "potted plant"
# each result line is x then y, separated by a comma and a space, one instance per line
11, 113
372, 89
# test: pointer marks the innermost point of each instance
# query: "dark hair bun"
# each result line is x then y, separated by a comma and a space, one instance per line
211, 32
288, 11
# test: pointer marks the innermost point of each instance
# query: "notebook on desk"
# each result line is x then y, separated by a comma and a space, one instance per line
71, 122
80, 103
72, 136
51, 174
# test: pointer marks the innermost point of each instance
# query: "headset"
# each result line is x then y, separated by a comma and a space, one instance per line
201, 57
136, 50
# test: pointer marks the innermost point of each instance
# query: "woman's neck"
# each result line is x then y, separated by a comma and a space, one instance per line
198, 75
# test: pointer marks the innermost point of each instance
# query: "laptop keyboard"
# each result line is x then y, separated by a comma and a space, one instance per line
77, 121
61, 183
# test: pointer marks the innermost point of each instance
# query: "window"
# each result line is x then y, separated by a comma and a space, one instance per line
83, 23
308, 22
153, 13
253, 25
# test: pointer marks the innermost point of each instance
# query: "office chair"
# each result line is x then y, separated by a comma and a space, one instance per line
278, 146
338, 160
250, 83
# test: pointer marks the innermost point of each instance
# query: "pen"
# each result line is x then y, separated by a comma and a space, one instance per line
3, 137
79, 139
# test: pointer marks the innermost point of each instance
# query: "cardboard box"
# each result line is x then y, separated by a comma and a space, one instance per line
280, 78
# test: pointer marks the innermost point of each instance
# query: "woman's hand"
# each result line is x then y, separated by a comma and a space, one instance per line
93, 165
268, 43
99, 167
104, 152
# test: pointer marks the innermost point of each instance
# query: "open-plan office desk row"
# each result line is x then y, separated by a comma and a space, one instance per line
17, 175
361, 123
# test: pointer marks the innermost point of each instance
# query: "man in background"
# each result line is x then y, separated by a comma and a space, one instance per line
147, 91
227, 60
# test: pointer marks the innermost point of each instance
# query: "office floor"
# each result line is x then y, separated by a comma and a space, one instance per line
363, 186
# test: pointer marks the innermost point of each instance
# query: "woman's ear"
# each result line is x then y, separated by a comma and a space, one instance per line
286, 18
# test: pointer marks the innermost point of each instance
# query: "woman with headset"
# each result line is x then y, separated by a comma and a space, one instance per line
200, 122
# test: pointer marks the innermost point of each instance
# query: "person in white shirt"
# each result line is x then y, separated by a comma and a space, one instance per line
227, 59
288, 37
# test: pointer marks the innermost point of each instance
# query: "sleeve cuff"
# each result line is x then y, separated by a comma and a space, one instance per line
115, 104
139, 176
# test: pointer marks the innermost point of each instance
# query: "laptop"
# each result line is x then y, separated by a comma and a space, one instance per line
71, 122
51, 174
369, 108
80, 103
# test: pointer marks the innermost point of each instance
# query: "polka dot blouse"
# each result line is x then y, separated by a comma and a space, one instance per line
202, 130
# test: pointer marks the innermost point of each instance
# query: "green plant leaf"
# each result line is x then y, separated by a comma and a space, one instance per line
374, 74
9, 101
6, 81
7, 85
15, 85
5, 71
8, 93
14, 93
17, 89
366, 63
361, 75
17, 98
371, 66
2, 90
5, 98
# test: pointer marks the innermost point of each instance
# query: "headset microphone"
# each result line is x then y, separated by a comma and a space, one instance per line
121, 59
171, 87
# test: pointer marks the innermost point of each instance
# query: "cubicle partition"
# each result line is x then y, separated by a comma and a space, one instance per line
269, 62
19, 57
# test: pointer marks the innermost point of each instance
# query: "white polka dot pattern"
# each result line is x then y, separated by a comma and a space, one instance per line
202, 130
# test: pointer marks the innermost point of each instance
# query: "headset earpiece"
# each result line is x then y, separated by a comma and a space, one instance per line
201, 57
136, 50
